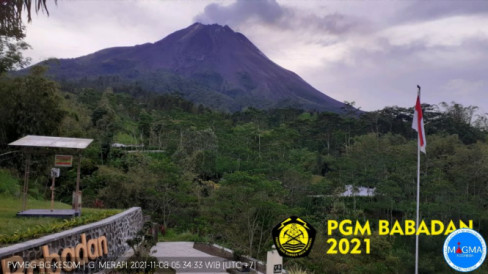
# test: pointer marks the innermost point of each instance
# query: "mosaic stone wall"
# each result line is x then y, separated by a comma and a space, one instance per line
116, 229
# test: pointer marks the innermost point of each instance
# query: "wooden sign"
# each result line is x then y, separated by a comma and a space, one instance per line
63, 160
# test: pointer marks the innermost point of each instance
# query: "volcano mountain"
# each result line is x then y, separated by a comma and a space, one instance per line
207, 64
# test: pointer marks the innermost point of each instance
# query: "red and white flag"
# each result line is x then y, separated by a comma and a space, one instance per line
418, 124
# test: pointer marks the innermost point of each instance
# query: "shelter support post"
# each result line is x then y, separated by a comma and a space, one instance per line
77, 191
26, 181
52, 193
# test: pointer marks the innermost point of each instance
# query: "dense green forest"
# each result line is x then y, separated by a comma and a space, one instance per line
230, 178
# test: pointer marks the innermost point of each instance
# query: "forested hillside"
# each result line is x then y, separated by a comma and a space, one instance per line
230, 178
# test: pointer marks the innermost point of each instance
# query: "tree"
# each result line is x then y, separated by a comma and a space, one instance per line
30, 105
144, 126
244, 209
458, 113
455, 119
12, 31
11, 16
194, 146
10, 54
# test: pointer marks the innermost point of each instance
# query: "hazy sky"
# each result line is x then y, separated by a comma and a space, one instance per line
373, 52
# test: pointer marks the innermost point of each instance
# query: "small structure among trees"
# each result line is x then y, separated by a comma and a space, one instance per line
60, 146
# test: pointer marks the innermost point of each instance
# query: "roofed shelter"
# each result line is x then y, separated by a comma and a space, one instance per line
33, 144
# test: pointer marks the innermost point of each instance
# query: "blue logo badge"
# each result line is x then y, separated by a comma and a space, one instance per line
465, 250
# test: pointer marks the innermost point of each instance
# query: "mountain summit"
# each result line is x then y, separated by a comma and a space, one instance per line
207, 64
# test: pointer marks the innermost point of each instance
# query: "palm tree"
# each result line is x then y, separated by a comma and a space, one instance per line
11, 15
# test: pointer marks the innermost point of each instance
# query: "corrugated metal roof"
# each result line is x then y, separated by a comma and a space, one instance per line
360, 191
49, 141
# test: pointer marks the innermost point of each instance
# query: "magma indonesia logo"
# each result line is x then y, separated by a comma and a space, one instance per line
293, 237
465, 250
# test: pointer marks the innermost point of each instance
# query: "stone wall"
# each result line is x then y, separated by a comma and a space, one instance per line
116, 230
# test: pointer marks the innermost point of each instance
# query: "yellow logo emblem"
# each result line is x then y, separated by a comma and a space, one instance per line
293, 237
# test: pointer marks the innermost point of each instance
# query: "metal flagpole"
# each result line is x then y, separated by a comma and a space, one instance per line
418, 200
417, 220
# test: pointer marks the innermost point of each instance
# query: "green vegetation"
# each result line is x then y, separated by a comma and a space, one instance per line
141, 246
229, 178
14, 229
8, 184
172, 235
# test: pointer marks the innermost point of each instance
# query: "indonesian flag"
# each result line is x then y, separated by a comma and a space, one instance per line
418, 123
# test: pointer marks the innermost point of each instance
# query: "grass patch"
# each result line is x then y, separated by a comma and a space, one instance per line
8, 184
125, 139
15, 229
172, 235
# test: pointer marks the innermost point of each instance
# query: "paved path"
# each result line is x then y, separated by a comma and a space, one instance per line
182, 257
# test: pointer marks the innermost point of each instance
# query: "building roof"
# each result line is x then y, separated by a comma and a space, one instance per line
50, 141
360, 191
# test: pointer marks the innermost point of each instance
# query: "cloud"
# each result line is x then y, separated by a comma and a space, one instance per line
387, 75
375, 58
271, 13
463, 87
267, 11
428, 10
76, 28
336, 23
371, 52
